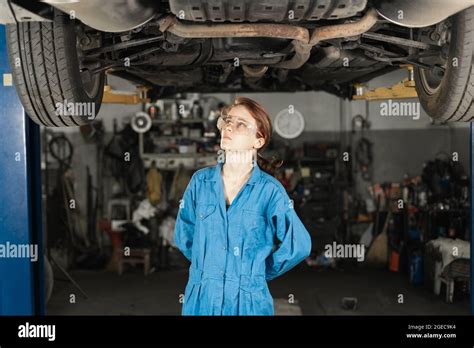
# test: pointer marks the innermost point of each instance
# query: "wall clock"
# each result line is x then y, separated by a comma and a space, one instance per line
289, 125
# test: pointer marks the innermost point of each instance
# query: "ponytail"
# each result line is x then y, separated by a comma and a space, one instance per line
269, 165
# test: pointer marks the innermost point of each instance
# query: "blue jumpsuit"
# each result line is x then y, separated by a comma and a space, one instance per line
235, 251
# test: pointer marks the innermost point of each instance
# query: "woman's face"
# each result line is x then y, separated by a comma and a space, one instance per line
241, 132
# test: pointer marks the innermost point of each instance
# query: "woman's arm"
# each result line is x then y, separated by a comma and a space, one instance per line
185, 221
295, 241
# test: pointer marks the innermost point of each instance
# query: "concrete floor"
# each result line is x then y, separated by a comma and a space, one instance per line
316, 292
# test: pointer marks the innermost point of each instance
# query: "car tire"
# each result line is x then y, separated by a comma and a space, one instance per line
451, 99
45, 64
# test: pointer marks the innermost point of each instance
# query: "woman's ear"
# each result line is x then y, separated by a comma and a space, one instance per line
259, 143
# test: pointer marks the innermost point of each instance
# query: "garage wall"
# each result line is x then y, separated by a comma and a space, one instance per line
320, 109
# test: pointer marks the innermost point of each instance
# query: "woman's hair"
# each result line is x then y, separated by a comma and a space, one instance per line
264, 130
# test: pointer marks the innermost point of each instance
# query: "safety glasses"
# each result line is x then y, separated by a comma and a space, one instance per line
238, 125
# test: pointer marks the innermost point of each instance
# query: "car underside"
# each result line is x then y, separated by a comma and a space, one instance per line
181, 46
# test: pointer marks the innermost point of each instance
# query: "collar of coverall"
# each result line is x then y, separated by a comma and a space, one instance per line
215, 174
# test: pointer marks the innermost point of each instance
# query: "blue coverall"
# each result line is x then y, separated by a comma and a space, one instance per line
232, 251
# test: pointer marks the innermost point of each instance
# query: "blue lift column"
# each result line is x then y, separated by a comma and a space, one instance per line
21, 279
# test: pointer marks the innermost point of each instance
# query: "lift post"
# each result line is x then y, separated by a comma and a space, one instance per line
21, 279
402, 90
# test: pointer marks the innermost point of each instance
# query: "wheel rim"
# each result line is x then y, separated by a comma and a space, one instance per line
91, 87
90, 84
432, 79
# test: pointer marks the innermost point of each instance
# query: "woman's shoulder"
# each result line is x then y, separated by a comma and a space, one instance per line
279, 200
273, 184
204, 173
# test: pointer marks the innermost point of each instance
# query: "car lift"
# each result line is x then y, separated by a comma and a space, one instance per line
401, 90
122, 97
22, 281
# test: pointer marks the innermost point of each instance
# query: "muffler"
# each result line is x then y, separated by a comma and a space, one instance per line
109, 16
420, 13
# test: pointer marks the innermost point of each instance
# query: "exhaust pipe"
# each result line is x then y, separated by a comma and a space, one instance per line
303, 49
282, 31
302, 42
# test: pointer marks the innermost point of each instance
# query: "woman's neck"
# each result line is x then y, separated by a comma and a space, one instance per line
237, 165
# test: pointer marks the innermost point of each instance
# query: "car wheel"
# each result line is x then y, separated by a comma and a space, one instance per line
446, 92
51, 81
